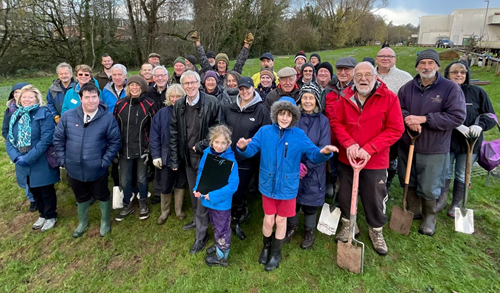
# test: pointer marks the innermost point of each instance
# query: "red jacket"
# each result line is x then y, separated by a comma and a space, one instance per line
375, 129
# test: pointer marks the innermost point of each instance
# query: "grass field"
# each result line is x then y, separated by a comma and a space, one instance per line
139, 256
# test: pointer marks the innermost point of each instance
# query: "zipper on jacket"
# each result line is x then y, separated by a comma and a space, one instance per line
128, 126
81, 154
141, 129
286, 148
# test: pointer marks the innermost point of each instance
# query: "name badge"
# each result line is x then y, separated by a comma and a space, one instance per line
74, 101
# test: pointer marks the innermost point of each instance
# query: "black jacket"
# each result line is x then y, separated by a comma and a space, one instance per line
134, 120
158, 97
209, 113
278, 93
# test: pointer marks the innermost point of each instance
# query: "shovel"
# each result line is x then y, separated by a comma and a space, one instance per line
350, 255
464, 217
401, 218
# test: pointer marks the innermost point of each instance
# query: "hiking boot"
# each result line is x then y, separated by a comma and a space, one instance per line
275, 255
83, 218
166, 201
428, 226
458, 197
443, 198
211, 250
155, 200
308, 240
378, 241
49, 224
126, 210
38, 224
32, 206
266, 249
178, 201
105, 207
189, 226
343, 235
218, 259
143, 209
290, 231
413, 203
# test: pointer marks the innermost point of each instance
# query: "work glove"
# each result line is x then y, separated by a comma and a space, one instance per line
21, 162
303, 171
157, 163
195, 37
56, 118
249, 38
464, 130
475, 130
145, 157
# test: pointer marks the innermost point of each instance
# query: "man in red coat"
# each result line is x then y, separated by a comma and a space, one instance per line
367, 120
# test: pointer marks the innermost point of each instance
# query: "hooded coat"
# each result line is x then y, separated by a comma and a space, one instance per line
300, 82
11, 108
55, 96
477, 102
110, 96
159, 139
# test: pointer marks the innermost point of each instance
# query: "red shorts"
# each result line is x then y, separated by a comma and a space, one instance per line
283, 208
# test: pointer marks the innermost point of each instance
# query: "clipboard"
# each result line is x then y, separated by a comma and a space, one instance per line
215, 174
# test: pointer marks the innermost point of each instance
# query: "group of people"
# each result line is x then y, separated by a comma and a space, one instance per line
296, 131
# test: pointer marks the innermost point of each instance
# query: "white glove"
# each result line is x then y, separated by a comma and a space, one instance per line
157, 163
475, 130
464, 130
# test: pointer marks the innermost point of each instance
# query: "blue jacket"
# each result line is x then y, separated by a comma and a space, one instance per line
72, 99
87, 151
312, 186
280, 155
39, 171
220, 199
55, 96
110, 97
159, 135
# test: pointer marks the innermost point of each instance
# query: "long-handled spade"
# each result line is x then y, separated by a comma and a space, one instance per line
350, 255
401, 218
464, 217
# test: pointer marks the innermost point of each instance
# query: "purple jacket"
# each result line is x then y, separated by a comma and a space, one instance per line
442, 103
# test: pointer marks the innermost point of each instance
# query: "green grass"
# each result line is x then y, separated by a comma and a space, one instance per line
139, 256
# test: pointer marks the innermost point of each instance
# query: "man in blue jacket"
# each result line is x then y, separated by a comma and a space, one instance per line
86, 140
58, 89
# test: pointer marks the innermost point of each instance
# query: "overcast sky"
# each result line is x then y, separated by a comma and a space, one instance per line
408, 11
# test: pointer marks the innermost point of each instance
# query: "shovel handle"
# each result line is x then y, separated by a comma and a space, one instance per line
408, 164
468, 163
354, 202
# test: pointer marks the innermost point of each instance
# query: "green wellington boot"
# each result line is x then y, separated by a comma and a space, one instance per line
83, 218
105, 207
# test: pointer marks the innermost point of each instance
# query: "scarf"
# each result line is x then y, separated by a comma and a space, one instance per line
22, 114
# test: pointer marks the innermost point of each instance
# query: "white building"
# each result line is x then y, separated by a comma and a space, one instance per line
461, 25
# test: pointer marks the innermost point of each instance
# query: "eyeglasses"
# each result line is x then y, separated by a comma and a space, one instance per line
462, 72
160, 75
83, 74
385, 56
188, 83
366, 75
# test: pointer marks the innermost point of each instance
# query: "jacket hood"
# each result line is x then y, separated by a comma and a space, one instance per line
285, 103
17, 86
467, 76
256, 99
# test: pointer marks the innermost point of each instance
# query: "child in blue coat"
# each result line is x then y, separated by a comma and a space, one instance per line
281, 146
218, 202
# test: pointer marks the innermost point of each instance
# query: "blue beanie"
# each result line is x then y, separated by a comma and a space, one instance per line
288, 99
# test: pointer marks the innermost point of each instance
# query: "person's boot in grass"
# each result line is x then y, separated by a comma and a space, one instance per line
291, 229
275, 255
178, 201
220, 258
143, 209
377, 239
443, 198
343, 235
32, 206
266, 249
156, 199
428, 226
308, 240
211, 250
127, 209
105, 207
458, 197
236, 214
413, 203
166, 201
83, 218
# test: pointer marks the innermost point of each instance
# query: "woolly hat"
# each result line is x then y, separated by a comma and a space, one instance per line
307, 64
327, 66
191, 59
139, 80
285, 103
428, 54
210, 73
311, 87
369, 59
315, 55
269, 72
180, 59
301, 54
210, 54
222, 57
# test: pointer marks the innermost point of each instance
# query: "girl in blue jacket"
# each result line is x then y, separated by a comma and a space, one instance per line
218, 202
281, 146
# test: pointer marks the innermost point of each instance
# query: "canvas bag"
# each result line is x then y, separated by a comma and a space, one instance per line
489, 155
117, 197
328, 220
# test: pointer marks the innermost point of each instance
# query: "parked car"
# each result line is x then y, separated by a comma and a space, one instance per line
444, 43
377, 43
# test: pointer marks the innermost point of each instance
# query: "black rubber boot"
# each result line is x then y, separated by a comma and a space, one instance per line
291, 229
390, 176
220, 258
237, 213
428, 226
458, 197
275, 257
308, 240
413, 203
443, 198
266, 249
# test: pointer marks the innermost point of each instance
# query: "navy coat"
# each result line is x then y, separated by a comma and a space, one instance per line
312, 186
87, 151
39, 171
159, 136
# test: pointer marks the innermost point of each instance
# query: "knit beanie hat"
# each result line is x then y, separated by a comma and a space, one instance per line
307, 64
327, 66
191, 59
311, 87
428, 54
301, 54
210, 73
369, 59
180, 59
139, 80
222, 57
210, 54
269, 72
315, 55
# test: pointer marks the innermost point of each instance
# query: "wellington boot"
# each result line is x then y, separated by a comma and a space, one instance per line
443, 198
291, 229
266, 249
166, 201
428, 226
220, 258
237, 229
105, 207
458, 197
178, 201
275, 256
308, 239
413, 203
83, 218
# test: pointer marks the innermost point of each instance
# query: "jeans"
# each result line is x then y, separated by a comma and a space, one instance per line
459, 160
126, 178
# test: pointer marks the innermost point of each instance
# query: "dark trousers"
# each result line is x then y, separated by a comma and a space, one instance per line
372, 191
167, 179
220, 221
84, 191
310, 213
46, 200
245, 176
126, 179
334, 166
200, 212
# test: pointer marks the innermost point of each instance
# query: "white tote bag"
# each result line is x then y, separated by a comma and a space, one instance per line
117, 197
328, 221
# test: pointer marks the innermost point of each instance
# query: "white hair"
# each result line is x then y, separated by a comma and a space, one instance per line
120, 67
